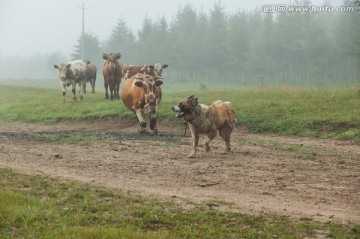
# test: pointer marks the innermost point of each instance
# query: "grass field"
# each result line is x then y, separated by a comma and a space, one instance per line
327, 113
40, 207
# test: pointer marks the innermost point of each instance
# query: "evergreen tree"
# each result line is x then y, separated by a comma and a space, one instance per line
122, 40
238, 43
216, 39
92, 49
186, 39
146, 43
348, 38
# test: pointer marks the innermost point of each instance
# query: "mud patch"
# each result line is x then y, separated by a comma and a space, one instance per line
293, 176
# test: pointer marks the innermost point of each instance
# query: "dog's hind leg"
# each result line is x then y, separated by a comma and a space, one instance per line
225, 133
207, 140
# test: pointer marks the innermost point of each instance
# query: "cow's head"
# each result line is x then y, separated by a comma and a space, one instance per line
63, 70
158, 67
186, 108
111, 59
148, 83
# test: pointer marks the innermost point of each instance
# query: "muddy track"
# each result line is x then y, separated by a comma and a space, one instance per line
298, 177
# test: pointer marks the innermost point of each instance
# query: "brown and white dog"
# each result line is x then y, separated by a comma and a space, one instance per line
203, 119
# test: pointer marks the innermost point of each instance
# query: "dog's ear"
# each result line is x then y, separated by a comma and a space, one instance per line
193, 100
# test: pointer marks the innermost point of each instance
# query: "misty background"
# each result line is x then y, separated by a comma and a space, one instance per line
229, 41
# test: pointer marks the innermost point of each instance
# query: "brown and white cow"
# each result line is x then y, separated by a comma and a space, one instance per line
91, 71
71, 73
142, 94
112, 75
155, 70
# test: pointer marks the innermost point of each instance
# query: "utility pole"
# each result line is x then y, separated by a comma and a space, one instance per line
82, 37
83, 31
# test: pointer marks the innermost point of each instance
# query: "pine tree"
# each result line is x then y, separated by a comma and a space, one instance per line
92, 49
122, 40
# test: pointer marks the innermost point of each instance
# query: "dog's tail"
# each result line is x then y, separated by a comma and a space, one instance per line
231, 115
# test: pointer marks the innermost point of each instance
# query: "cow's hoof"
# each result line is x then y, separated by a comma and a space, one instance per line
142, 131
143, 124
152, 123
81, 97
156, 132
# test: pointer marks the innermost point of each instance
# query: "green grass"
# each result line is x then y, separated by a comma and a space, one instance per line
326, 113
40, 207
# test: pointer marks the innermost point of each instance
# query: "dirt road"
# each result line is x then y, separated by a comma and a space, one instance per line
299, 177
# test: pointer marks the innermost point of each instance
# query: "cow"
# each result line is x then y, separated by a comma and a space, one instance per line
72, 73
130, 70
112, 75
142, 94
91, 71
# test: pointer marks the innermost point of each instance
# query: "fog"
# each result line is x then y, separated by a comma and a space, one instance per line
37, 34
47, 26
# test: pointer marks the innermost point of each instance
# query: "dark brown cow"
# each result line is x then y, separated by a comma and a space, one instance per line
154, 70
91, 71
142, 94
112, 75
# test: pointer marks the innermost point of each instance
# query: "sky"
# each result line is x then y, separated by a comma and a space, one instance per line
30, 27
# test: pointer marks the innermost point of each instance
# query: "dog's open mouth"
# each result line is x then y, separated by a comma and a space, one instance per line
180, 114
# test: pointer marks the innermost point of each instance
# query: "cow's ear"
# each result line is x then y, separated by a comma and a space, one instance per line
118, 55
56, 66
105, 56
158, 82
68, 65
166, 65
139, 83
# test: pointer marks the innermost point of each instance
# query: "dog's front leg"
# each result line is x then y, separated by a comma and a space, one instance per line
195, 138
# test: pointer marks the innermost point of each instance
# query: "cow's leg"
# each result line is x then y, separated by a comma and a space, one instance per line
82, 86
153, 121
73, 90
92, 82
141, 121
63, 89
116, 93
111, 92
106, 85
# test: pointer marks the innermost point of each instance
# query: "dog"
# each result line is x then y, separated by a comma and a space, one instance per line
203, 119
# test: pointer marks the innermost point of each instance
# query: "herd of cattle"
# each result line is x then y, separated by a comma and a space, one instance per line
141, 91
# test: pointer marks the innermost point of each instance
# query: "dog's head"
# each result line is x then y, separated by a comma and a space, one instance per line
186, 107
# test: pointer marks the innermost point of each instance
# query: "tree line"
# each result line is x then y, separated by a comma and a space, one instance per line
250, 48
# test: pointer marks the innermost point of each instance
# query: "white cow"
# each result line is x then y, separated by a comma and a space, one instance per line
71, 73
